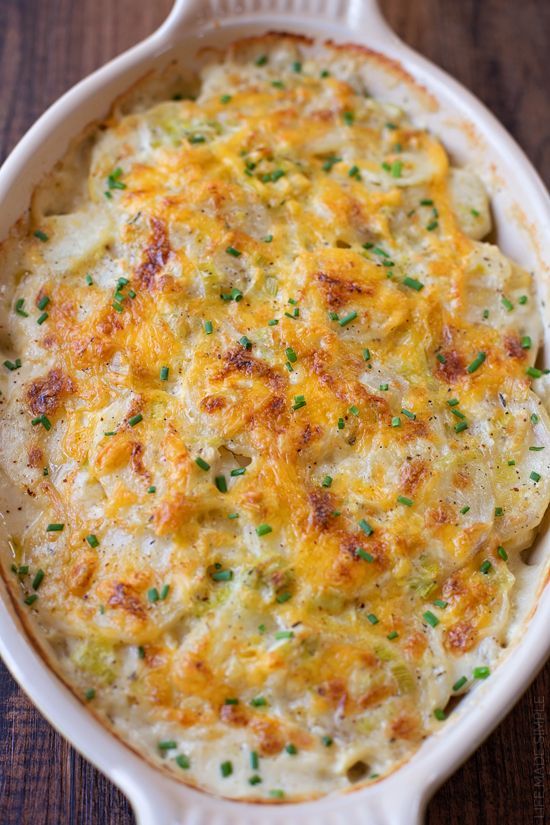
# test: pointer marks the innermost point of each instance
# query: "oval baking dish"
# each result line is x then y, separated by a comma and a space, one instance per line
471, 136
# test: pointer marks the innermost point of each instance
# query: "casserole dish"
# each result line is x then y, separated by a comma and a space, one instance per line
427, 107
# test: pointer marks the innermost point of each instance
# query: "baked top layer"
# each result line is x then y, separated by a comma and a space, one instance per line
268, 399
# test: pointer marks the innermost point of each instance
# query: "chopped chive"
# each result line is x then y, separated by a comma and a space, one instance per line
273, 322
439, 715
485, 314
460, 683
234, 252
291, 355
41, 318
222, 576
164, 592
535, 476
440, 603
522, 299
43, 302
526, 342
263, 529
441, 358
255, 780
19, 308
365, 527
233, 515
200, 462
42, 419
132, 293
354, 410
334, 316
511, 462
432, 225
299, 402
330, 162
238, 471
372, 618
347, 319
89, 694
254, 760
426, 202
12, 365
536, 449
458, 414
476, 363
258, 702
277, 793
278, 84
507, 304
432, 620
349, 118
481, 672
340, 424
92, 540
453, 402
408, 502
297, 67
221, 483
393, 635
499, 511
182, 761
384, 387
409, 414
327, 481
117, 307
502, 553
354, 172
364, 555
261, 60
225, 98
291, 749
284, 634
197, 139
31, 599
327, 741
40, 235
461, 426
486, 567
465, 509
152, 489
396, 168
141, 652
245, 342
267, 239
413, 283
534, 418
164, 373
396, 421
37, 581
366, 355
153, 594
167, 745
283, 597
135, 419
54, 528
22, 570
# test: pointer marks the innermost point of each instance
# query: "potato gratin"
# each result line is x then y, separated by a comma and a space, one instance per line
268, 399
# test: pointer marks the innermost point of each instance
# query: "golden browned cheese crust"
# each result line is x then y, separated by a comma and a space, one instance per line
271, 401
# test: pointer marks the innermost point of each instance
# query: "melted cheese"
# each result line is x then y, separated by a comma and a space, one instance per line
281, 407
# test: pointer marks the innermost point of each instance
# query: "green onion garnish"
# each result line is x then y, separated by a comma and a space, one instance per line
41, 318
481, 672
291, 749
533, 372
291, 355
365, 527
200, 462
461, 426
299, 402
440, 603
92, 540
327, 481
54, 528
347, 319
408, 502
284, 634
37, 581
507, 304
372, 618
502, 553
349, 118
354, 410
465, 509
167, 745
89, 694
460, 683
152, 489
476, 363
409, 414
254, 760
486, 567
364, 555
535, 476
222, 575
263, 529
526, 342
432, 620
234, 252
413, 283
439, 715
135, 419
238, 471
153, 594
40, 235
393, 635
164, 373
182, 761
225, 98
261, 60
258, 702
43, 302
19, 308
221, 483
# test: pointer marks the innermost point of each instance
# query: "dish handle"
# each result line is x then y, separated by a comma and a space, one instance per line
199, 14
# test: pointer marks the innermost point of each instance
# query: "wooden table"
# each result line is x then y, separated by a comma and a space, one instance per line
499, 49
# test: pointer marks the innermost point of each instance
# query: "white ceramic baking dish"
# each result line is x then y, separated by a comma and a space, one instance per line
522, 215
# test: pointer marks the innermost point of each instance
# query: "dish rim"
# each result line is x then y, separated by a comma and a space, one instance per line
387, 799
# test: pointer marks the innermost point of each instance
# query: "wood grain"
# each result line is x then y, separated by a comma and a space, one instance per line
499, 49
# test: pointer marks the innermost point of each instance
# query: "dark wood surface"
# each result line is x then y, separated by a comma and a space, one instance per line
499, 49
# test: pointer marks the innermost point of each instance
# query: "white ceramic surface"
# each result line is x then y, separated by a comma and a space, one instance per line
401, 798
